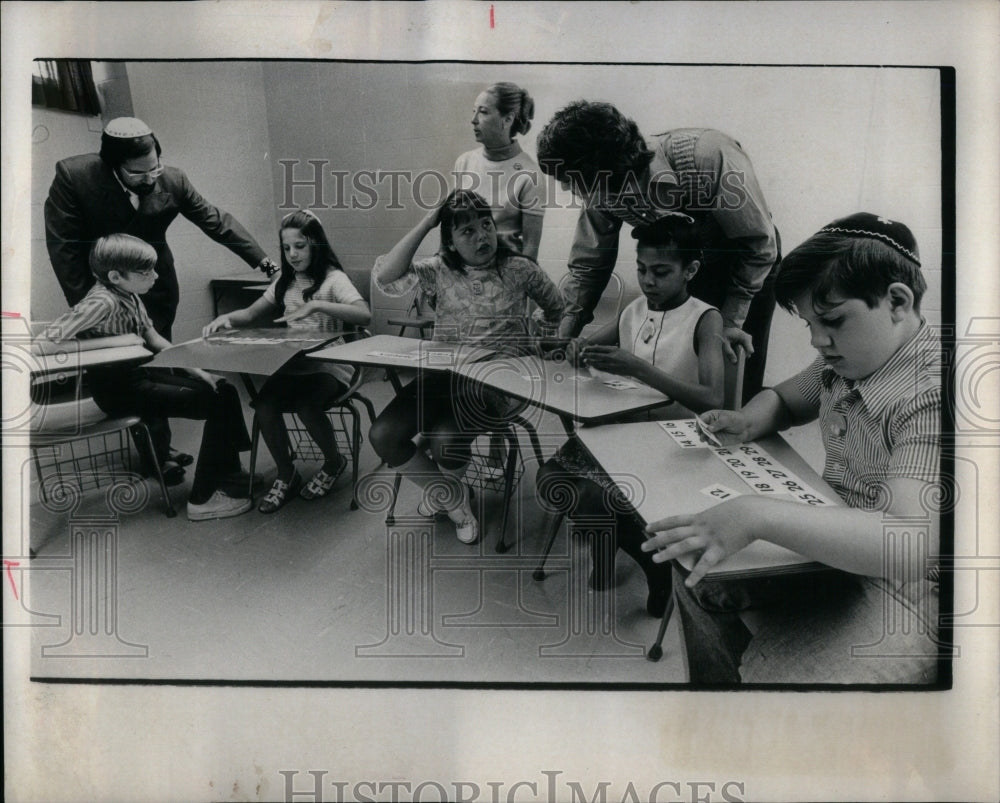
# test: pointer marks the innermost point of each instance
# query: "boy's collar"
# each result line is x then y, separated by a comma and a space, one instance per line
114, 288
918, 359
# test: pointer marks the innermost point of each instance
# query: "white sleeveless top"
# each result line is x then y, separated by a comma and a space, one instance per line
666, 339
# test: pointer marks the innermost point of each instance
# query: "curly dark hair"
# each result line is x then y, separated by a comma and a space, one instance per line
588, 142
681, 233
323, 257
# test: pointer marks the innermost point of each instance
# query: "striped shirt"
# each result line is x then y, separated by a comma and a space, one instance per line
103, 312
884, 426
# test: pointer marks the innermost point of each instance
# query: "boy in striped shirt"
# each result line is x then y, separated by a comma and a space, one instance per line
875, 389
125, 267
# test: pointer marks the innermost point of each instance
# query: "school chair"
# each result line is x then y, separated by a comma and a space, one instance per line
496, 465
75, 445
344, 415
732, 400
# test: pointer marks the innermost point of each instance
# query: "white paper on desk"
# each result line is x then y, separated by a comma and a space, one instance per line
394, 355
684, 433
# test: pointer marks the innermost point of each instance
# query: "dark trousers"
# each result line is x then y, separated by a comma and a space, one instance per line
446, 409
710, 284
152, 393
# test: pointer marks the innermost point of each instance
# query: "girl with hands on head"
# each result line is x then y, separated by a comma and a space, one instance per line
479, 289
311, 292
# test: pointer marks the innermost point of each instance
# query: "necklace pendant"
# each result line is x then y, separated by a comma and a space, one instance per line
477, 287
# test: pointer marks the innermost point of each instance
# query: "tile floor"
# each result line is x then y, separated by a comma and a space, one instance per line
320, 593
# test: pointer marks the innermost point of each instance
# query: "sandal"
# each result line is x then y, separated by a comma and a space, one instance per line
425, 510
322, 482
280, 494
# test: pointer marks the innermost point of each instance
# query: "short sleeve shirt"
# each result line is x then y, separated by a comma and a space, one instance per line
882, 427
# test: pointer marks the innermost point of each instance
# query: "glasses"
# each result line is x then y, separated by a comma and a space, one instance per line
156, 172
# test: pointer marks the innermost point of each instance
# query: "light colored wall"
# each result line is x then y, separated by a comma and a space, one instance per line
210, 120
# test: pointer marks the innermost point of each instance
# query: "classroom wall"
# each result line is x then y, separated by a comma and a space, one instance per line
210, 120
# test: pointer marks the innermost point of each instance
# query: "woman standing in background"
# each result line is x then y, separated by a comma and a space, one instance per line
500, 171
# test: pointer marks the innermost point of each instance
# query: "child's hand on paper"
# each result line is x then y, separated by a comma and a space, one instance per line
612, 360
728, 426
709, 537
222, 322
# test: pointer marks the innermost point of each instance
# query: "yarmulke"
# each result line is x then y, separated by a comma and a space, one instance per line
127, 128
890, 232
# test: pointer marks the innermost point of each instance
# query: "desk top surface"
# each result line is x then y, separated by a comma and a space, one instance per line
47, 358
392, 351
244, 351
558, 387
663, 479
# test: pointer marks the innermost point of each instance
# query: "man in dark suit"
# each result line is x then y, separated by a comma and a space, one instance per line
126, 189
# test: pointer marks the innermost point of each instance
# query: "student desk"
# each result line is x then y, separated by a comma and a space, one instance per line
662, 479
555, 385
671, 481
72, 355
394, 352
247, 352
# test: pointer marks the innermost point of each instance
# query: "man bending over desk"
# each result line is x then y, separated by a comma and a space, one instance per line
875, 390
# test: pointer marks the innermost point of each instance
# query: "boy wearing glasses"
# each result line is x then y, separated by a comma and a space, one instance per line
124, 268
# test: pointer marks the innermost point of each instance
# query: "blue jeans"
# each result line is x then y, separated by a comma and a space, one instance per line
818, 627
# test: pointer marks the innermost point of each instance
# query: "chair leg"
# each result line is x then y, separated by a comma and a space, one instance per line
368, 406
390, 518
38, 474
355, 447
254, 443
532, 435
512, 454
147, 443
552, 526
656, 651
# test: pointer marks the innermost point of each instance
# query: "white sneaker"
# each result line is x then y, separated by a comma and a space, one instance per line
220, 505
468, 531
466, 526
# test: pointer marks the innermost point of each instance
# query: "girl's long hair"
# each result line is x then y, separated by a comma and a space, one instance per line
458, 207
323, 257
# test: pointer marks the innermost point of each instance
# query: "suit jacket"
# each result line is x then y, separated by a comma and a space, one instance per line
86, 202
